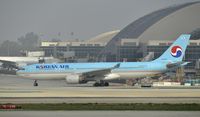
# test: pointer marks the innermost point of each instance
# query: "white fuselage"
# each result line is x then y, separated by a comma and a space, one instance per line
22, 61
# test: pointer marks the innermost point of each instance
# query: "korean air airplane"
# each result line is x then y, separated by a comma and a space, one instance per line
102, 72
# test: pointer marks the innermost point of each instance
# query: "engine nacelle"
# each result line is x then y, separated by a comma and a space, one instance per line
75, 79
111, 76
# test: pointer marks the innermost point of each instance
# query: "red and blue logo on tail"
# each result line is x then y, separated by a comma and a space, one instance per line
176, 51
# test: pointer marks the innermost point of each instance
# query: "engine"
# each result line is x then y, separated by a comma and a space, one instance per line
111, 76
75, 79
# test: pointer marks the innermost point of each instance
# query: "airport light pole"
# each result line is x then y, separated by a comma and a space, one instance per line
8, 50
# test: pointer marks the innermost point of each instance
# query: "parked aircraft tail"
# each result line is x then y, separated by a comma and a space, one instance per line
176, 51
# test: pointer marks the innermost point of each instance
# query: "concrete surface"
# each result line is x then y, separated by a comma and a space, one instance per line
18, 90
99, 113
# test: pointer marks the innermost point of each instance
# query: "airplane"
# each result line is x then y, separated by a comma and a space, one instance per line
18, 62
102, 72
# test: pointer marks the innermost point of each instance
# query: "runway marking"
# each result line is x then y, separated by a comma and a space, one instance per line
20, 91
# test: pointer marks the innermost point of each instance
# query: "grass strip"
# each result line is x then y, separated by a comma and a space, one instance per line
110, 106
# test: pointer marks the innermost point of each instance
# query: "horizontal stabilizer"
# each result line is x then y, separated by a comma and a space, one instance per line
177, 64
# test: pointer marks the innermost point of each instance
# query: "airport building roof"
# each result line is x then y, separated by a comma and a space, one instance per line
104, 37
169, 42
64, 44
164, 24
136, 28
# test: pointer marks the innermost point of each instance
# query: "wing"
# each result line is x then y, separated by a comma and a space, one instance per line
97, 72
8, 64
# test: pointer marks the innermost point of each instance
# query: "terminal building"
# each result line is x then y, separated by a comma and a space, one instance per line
152, 33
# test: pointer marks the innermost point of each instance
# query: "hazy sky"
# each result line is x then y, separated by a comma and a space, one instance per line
86, 18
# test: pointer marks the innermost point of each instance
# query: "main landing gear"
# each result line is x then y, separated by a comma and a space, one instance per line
101, 83
35, 84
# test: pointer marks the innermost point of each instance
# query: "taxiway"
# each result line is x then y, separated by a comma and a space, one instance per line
18, 90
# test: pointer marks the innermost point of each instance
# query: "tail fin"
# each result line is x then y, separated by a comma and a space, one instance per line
176, 51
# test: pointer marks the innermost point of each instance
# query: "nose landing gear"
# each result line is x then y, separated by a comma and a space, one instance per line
35, 84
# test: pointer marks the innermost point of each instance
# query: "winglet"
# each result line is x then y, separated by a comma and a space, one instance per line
116, 66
